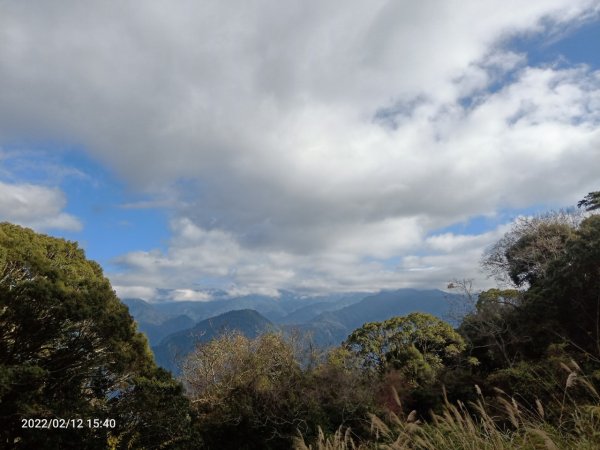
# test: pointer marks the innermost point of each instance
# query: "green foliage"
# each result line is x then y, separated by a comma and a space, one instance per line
266, 389
245, 387
590, 202
493, 301
162, 415
420, 345
460, 428
560, 307
339, 395
492, 340
496, 421
68, 347
567, 301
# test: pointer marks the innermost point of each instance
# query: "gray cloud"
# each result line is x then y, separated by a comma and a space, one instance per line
258, 122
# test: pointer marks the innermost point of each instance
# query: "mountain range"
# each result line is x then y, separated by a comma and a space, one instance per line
173, 328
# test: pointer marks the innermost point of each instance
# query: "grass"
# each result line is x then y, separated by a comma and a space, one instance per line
476, 427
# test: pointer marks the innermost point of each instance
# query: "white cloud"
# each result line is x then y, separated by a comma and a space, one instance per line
307, 143
189, 294
195, 256
143, 292
35, 206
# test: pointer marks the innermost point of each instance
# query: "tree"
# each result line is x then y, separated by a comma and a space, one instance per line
259, 393
590, 202
246, 391
561, 306
524, 253
68, 346
568, 299
419, 345
462, 301
155, 413
489, 328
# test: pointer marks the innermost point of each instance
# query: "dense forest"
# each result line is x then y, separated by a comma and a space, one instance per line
521, 369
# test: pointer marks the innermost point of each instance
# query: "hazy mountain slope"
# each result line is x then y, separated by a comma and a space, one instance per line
173, 348
387, 304
307, 312
158, 320
161, 318
144, 312
328, 318
156, 332
332, 327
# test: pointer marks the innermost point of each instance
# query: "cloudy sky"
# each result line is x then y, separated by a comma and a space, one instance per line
309, 145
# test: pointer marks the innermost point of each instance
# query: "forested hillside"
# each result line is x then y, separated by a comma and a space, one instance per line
521, 369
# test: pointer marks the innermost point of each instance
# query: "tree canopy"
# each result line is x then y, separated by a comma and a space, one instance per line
524, 253
68, 347
590, 202
418, 344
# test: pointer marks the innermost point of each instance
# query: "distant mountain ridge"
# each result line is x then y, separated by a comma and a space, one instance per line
328, 319
156, 319
176, 346
332, 327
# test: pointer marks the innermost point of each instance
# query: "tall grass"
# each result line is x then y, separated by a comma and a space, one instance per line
505, 424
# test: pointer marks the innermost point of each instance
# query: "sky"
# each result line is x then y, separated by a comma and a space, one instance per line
255, 146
